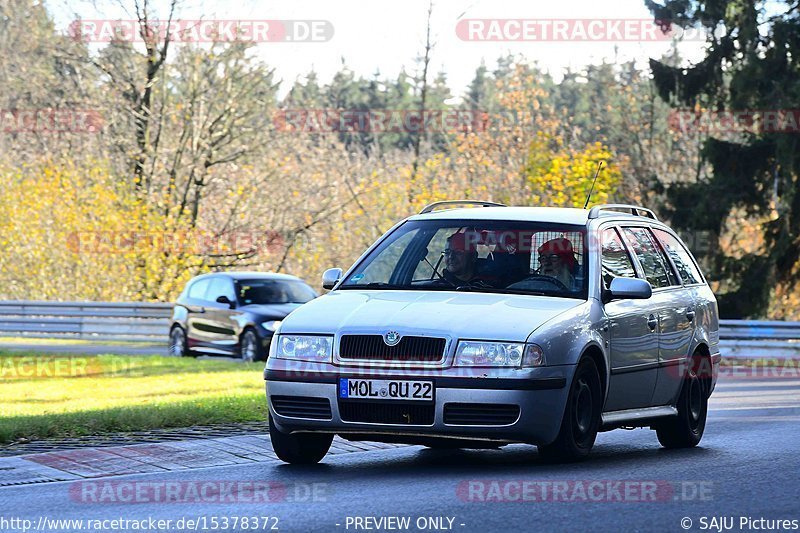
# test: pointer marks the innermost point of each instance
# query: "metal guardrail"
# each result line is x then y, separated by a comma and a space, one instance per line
105, 321
759, 339
99, 321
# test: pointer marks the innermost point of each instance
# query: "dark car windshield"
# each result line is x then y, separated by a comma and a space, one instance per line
270, 291
511, 257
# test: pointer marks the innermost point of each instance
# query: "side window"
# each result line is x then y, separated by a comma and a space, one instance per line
198, 289
680, 256
654, 263
221, 287
615, 260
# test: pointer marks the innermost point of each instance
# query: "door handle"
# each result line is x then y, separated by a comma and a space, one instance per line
690, 315
652, 322
201, 309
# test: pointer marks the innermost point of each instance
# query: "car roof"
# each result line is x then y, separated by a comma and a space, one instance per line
252, 275
554, 215
563, 215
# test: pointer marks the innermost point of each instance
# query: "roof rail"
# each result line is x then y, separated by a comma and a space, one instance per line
634, 209
434, 205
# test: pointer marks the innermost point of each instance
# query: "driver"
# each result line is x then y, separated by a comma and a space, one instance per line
557, 260
460, 260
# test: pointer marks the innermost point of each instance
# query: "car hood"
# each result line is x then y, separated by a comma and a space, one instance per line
453, 314
270, 310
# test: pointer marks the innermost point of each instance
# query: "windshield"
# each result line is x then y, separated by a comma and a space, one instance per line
270, 291
479, 256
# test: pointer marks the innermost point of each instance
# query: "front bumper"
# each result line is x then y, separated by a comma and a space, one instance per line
541, 398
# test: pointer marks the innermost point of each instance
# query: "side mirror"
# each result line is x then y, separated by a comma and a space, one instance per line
628, 289
331, 277
225, 300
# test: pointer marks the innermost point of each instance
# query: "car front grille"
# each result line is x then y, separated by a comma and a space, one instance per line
480, 414
411, 348
302, 407
387, 413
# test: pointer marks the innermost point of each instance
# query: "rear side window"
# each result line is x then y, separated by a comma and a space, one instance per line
198, 289
680, 256
654, 263
615, 259
221, 287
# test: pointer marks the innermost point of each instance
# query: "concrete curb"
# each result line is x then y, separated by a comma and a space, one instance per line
88, 463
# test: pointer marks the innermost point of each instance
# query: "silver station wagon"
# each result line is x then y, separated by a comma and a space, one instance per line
480, 327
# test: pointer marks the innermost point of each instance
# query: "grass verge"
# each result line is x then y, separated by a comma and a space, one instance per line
69, 395
50, 341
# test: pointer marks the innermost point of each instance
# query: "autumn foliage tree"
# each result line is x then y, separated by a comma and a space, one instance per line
191, 171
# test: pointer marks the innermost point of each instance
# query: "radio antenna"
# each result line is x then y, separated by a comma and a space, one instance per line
599, 166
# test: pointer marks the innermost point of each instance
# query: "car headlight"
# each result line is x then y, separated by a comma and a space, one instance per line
508, 354
271, 325
305, 348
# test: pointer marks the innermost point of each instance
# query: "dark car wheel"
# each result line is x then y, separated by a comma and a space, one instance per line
686, 429
300, 448
251, 348
581, 417
178, 346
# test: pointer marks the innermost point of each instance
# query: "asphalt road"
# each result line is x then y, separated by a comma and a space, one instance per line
747, 466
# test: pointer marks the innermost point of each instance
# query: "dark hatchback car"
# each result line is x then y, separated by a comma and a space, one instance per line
234, 313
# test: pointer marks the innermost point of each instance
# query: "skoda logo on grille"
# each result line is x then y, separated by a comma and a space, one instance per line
391, 338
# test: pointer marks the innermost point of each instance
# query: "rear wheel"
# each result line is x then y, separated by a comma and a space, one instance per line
299, 448
178, 347
250, 347
581, 417
686, 429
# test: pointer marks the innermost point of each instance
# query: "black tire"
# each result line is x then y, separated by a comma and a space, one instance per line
581, 417
300, 448
686, 429
178, 346
250, 347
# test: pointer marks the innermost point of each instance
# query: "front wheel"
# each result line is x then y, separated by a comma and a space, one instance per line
178, 346
299, 448
686, 429
581, 417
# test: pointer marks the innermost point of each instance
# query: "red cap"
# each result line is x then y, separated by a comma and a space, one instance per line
562, 248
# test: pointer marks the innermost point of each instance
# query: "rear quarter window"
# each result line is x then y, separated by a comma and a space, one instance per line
198, 289
687, 269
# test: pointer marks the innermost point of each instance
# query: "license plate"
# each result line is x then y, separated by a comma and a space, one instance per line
385, 389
